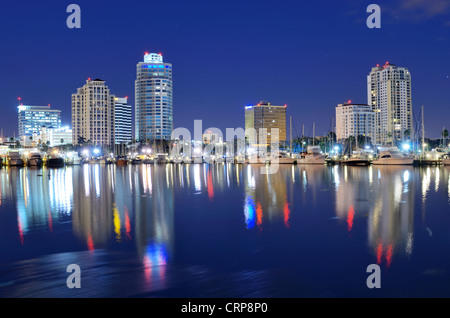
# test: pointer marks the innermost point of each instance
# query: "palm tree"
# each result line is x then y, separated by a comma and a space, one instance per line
444, 135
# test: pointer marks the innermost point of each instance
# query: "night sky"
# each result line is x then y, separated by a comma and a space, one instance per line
310, 55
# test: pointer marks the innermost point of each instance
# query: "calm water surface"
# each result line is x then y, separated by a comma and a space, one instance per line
224, 231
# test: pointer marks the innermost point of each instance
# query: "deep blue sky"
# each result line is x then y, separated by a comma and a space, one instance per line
310, 55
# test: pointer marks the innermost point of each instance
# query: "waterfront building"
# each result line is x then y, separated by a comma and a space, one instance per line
389, 95
54, 137
354, 120
93, 114
122, 121
265, 116
154, 99
210, 137
33, 118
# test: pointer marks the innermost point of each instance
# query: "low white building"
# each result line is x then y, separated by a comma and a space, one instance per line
354, 120
56, 137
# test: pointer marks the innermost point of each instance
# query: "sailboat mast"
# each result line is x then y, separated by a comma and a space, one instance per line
423, 133
314, 134
290, 134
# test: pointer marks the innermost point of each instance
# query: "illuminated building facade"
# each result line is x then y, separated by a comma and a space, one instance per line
354, 120
153, 98
93, 114
33, 118
389, 95
265, 116
122, 121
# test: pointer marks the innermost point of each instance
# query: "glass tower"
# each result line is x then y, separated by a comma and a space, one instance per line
154, 101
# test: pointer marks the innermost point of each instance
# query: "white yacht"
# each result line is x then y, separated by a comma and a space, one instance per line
35, 160
14, 159
392, 157
312, 156
283, 158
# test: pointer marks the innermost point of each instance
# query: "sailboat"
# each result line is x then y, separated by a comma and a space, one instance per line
427, 158
313, 154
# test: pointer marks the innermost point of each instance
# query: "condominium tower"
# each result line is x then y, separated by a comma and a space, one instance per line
265, 116
389, 95
153, 98
93, 114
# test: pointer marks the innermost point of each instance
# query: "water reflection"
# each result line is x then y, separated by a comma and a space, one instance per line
134, 208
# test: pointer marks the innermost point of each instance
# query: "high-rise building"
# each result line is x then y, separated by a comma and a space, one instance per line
123, 121
33, 118
354, 120
389, 95
154, 99
266, 116
93, 114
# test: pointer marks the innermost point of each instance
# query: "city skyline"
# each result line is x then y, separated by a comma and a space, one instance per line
297, 69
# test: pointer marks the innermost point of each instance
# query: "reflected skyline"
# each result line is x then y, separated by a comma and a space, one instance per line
151, 210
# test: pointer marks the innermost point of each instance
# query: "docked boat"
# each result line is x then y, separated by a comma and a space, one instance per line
178, 160
72, 158
283, 158
121, 161
357, 159
187, 159
14, 159
429, 158
312, 156
55, 160
136, 161
161, 158
392, 157
446, 160
35, 160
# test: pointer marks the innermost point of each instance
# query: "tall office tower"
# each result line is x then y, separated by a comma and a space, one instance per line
265, 115
389, 95
33, 118
154, 101
93, 114
354, 120
123, 122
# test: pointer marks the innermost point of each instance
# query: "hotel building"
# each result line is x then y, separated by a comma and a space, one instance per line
389, 95
153, 98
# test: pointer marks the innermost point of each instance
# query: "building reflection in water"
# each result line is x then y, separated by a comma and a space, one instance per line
267, 197
135, 204
388, 203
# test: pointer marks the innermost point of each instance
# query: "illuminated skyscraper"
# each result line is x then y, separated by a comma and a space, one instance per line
389, 95
93, 114
123, 121
154, 99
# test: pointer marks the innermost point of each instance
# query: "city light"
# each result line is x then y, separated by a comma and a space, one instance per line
406, 146
96, 151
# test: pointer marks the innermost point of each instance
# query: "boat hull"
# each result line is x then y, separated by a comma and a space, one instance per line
356, 162
16, 163
55, 162
35, 162
393, 161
